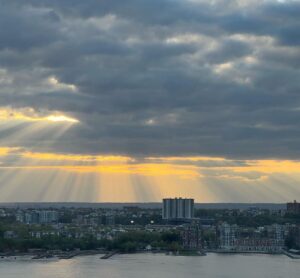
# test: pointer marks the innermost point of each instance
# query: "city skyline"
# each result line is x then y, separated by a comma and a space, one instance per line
136, 101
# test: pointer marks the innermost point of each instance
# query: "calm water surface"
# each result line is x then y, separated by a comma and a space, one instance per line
155, 266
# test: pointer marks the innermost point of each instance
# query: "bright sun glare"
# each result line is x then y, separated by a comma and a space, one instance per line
61, 118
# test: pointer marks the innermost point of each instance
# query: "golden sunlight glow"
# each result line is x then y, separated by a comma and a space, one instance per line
72, 157
6, 151
179, 166
30, 115
270, 166
80, 177
185, 172
61, 118
187, 158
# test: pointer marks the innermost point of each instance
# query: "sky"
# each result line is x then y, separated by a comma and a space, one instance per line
134, 101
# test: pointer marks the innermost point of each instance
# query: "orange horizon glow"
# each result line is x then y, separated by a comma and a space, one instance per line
149, 165
117, 178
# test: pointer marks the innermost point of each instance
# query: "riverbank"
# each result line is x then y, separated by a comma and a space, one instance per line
219, 251
292, 255
51, 254
65, 255
232, 252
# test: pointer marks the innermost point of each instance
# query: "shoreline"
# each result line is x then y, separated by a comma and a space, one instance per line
232, 252
49, 255
106, 255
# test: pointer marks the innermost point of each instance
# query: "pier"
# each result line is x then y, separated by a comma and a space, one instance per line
109, 255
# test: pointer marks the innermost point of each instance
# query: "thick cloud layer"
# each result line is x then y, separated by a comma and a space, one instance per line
172, 77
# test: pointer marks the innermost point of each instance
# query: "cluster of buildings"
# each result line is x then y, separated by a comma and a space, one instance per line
37, 216
177, 215
230, 238
263, 239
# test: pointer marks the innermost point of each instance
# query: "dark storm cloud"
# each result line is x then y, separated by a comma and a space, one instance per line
19, 30
157, 77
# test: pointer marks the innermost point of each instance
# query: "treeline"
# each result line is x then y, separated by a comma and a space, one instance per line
124, 242
138, 240
50, 243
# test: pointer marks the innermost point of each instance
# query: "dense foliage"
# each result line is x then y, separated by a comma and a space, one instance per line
124, 242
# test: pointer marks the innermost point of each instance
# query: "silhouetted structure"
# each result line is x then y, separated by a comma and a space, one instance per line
178, 208
293, 207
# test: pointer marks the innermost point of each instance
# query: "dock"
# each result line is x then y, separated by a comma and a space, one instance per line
109, 255
291, 255
69, 256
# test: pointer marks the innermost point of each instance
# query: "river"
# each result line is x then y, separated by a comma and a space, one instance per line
155, 266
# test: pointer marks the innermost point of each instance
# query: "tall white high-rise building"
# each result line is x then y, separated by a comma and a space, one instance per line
178, 208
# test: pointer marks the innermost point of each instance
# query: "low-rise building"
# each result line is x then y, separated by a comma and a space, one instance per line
10, 235
258, 245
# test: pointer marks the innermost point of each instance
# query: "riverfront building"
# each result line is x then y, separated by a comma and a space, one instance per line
235, 238
228, 235
191, 236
